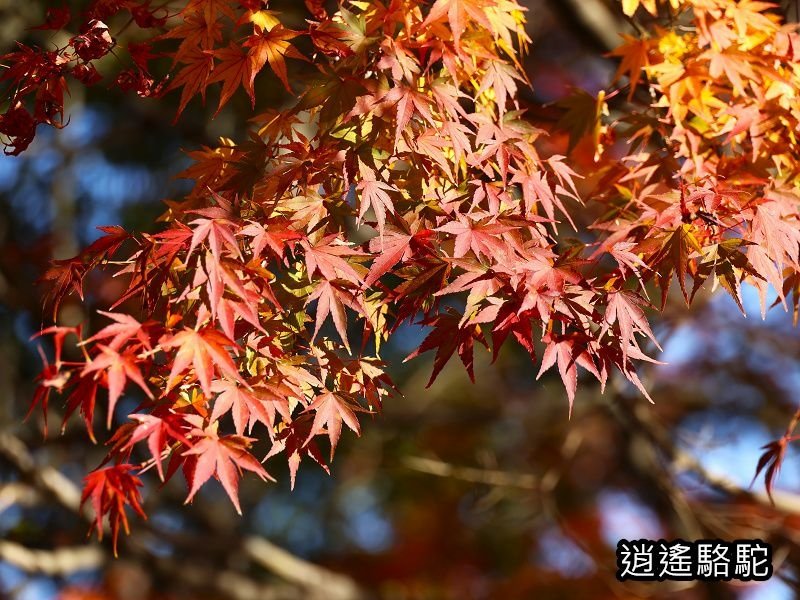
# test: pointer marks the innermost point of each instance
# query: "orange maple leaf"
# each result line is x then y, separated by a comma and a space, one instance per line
272, 47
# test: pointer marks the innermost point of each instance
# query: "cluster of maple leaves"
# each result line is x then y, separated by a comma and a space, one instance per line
410, 135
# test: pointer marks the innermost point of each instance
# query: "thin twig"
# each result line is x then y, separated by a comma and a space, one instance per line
472, 474
682, 460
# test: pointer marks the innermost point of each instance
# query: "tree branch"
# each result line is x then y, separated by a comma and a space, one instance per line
473, 475
17, 494
681, 460
46, 479
317, 581
594, 19
61, 561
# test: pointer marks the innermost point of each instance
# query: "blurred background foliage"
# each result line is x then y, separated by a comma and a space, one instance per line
458, 491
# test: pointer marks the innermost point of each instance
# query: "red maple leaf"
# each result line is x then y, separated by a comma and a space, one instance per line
625, 309
327, 257
276, 235
484, 239
205, 351
217, 232
569, 352
224, 457
123, 329
772, 460
449, 336
160, 432
375, 195
111, 490
250, 405
118, 368
295, 441
330, 410
332, 299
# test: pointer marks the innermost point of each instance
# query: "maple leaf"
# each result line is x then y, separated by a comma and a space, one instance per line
193, 77
421, 281
332, 299
59, 334
501, 79
748, 15
374, 194
107, 245
772, 460
673, 257
634, 54
228, 309
535, 189
64, 276
449, 336
83, 396
482, 238
458, 13
224, 457
160, 432
218, 232
768, 274
399, 60
19, 126
393, 247
569, 352
198, 37
734, 66
272, 47
295, 441
326, 257
330, 410
123, 329
112, 489
626, 259
205, 351
118, 368
510, 320
211, 10
51, 377
407, 102
94, 41
780, 238
67, 275
233, 71
624, 308
249, 405
434, 145
277, 236
728, 264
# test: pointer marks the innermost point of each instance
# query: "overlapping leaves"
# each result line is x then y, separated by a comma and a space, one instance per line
253, 297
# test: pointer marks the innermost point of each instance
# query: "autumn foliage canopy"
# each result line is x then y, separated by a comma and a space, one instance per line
405, 182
